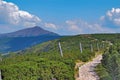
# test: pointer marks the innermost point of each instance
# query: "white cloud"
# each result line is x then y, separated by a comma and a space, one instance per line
73, 25
80, 26
112, 16
108, 23
10, 14
50, 25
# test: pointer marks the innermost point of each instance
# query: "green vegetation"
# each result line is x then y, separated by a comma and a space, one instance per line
44, 62
109, 69
36, 69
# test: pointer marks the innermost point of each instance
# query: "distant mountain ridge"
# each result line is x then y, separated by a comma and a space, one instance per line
29, 32
25, 38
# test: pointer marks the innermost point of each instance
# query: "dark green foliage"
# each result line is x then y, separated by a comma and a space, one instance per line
34, 68
110, 64
43, 61
102, 72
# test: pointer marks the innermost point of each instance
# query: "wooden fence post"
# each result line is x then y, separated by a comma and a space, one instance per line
91, 48
81, 48
61, 53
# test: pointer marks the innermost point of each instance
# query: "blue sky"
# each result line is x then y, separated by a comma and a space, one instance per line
68, 17
59, 10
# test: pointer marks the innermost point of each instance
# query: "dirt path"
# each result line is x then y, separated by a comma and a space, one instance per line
86, 71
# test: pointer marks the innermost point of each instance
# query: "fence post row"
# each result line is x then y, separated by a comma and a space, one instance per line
81, 48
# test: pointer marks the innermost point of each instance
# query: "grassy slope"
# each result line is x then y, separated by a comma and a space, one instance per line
45, 60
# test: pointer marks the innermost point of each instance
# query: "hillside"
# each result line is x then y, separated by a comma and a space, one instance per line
44, 61
25, 38
29, 32
109, 69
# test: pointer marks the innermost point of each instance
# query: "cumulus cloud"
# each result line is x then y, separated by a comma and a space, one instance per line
50, 25
112, 17
10, 14
80, 26
108, 23
73, 25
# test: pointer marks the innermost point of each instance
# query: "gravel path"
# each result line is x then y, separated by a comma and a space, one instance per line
86, 71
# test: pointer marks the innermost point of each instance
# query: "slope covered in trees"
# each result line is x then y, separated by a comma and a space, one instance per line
44, 62
109, 69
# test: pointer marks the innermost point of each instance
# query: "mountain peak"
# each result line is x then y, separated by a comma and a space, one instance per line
29, 32
36, 27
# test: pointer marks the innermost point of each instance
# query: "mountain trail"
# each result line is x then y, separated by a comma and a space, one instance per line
86, 71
